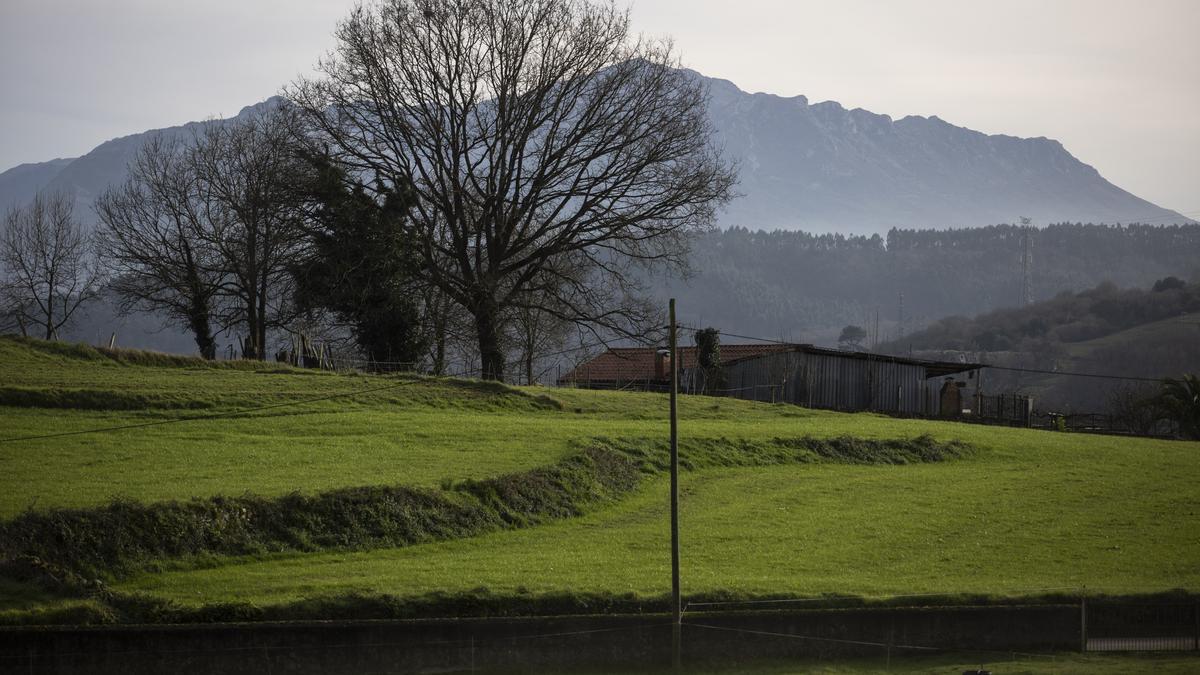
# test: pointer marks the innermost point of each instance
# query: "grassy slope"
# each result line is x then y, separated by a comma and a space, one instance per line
1029, 510
1115, 524
418, 434
1174, 328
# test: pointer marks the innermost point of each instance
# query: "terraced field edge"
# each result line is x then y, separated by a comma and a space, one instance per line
73, 552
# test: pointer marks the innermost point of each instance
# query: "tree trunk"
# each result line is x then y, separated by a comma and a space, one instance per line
261, 338
491, 354
202, 331
249, 348
529, 366
440, 320
439, 352
50, 316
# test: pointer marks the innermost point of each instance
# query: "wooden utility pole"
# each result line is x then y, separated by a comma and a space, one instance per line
676, 607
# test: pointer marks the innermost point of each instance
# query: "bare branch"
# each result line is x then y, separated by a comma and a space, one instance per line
543, 141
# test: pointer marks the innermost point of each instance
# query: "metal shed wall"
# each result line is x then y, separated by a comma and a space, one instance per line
830, 381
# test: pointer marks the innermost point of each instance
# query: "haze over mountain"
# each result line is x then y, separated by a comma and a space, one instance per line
88, 176
822, 168
816, 167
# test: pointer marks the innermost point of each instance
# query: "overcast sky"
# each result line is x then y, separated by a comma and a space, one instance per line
1118, 82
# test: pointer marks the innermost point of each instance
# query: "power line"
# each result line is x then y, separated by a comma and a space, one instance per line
582, 346
1067, 373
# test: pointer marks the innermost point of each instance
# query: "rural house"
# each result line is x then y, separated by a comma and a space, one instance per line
811, 376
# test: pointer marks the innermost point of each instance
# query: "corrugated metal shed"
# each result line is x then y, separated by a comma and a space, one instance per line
829, 378
787, 373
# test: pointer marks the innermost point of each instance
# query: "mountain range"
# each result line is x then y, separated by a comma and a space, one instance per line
803, 166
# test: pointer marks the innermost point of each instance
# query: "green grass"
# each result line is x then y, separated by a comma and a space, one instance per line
422, 433
1025, 510
265, 454
1009, 529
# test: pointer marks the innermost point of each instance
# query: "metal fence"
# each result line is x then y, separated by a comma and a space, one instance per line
1124, 626
1101, 423
1010, 409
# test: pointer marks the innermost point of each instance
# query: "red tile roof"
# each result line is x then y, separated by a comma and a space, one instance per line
629, 364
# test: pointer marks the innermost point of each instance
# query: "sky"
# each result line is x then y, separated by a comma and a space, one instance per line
1117, 82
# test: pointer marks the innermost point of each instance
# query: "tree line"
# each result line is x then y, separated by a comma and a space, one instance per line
805, 286
1066, 318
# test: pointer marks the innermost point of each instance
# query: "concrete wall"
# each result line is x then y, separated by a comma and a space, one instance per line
532, 644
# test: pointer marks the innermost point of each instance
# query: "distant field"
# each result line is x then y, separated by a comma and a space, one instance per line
1023, 511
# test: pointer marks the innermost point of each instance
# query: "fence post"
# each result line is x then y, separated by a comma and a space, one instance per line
1083, 623
890, 642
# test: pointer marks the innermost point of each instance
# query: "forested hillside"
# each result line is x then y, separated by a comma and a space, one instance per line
1132, 333
806, 287
1064, 319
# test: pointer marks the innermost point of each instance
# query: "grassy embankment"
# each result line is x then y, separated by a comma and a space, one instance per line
767, 509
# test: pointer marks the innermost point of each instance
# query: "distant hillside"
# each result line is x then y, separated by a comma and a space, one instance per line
806, 287
86, 177
1152, 333
19, 184
1067, 318
815, 167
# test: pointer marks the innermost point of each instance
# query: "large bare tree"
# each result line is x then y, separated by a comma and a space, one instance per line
47, 264
251, 180
154, 238
550, 150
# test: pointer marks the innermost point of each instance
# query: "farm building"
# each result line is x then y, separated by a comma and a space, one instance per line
811, 376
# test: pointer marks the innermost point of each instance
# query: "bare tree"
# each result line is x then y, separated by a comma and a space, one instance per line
537, 333
1136, 406
153, 240
250, 177
446, 329
542, 140
48, 265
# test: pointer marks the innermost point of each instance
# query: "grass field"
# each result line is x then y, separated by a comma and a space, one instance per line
798, 530
1023, 511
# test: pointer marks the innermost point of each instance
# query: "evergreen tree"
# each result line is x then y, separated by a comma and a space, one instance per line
360, 264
